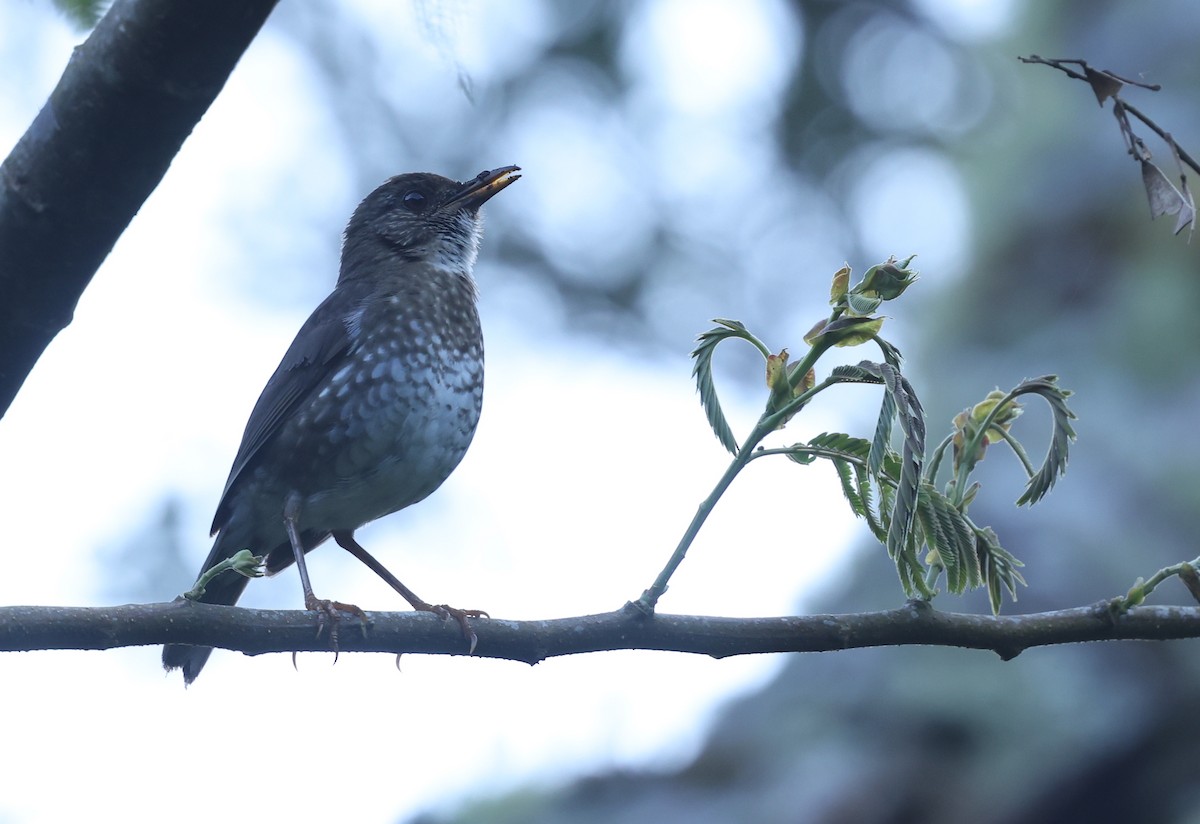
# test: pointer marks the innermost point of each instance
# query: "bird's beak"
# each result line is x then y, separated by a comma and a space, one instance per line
479, 189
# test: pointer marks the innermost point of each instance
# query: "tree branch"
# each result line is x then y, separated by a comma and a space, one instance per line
129, 97
254, 631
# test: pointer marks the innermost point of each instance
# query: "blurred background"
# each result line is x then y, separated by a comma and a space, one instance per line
683, 160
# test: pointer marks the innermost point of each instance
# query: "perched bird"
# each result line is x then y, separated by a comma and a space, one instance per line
376, 400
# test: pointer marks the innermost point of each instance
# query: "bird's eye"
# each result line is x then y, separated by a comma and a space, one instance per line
415, 202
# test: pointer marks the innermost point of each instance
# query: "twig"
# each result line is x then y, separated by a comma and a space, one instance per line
1061, 65
1165, 197
1165, 135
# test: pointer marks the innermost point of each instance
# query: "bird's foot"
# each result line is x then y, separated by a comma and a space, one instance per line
462, 616
330, 612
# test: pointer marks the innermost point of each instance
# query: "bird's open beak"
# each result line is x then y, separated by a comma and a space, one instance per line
476, 191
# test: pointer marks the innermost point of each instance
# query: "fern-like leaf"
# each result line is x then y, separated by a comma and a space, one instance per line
883, 433
848, 445
912, 422
868, 372
1055, 464
702, 372
850, 489
891, 355
862, 372
998, 567
948, 531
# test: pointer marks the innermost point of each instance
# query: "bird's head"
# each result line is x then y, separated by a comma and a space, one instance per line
421, 217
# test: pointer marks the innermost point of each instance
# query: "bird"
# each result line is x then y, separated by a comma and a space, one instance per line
374, 403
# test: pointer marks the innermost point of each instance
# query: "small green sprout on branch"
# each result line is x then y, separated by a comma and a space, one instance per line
925, 528
1185, 572
243, 562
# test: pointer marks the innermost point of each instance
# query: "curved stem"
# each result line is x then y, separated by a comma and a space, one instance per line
1019, 451
650, 597
749, 337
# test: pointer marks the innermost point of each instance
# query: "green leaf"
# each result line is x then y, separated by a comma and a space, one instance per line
997, 566
841, 282
888, 280
861, 305
981, 425
849, 488
802, 455
849, 445
897, 507
891, 355
912, 572
702, 372
929, 528
862, 372
899, 513
1055, 464
951, 534
911, 418
844, 331
883, 433
887, 505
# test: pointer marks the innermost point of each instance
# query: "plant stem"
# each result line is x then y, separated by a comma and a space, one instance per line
963, 471
935, 461
1138, 592
797, 371
650, 597
931, 577
767, 423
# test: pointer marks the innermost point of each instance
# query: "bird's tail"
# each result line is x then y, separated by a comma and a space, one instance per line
226, 588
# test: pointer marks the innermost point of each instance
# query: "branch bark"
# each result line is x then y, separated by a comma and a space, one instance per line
254, 631
129, 97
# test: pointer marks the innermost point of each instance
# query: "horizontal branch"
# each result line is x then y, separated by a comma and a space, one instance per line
256, 631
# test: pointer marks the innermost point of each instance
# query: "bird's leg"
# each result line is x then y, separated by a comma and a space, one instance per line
345, 539
325, 609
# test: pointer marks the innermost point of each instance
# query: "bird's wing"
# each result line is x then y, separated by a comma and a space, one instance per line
315, 354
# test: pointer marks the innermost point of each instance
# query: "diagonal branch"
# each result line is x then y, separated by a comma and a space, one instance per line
129, 97
255, 631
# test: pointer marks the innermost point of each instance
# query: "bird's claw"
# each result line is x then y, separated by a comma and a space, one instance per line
463, 617
328, 612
